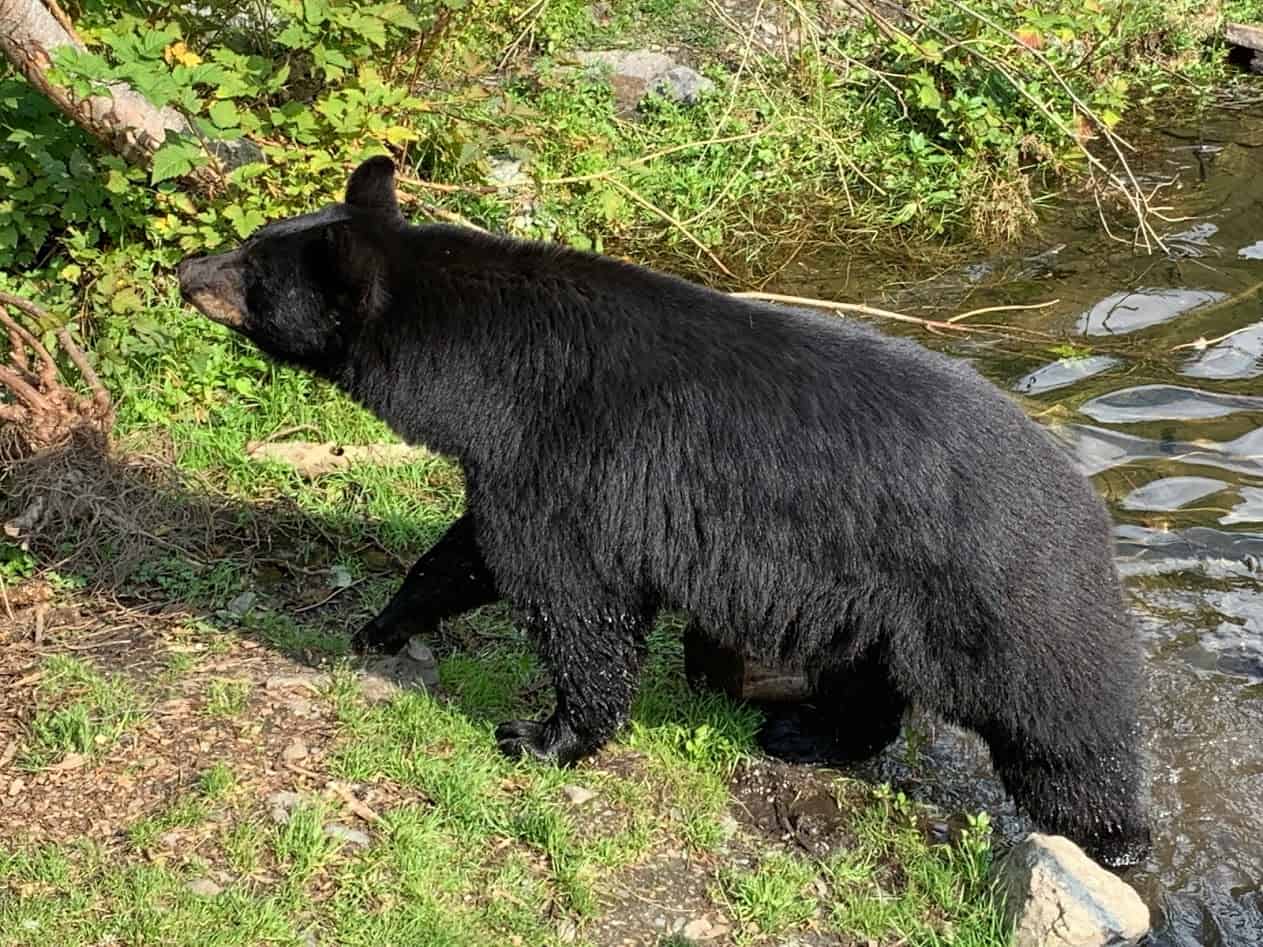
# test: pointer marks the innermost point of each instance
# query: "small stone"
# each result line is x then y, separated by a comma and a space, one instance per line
577, 795
347, 836
507, 173
297, 750
1056, 896
728, 826
282, 804
682, 84
419, 651
383, 678
697, 930
241, 605
204, 887
567, 931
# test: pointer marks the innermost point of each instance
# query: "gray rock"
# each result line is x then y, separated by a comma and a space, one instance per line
347, 836
240, 606
577, 795
417, 649
682, 84
414, 667
508, 173
635, 73
281, 805
1055, 896
641, 64
204, 887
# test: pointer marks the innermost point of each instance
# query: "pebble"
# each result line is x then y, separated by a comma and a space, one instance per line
347, 835
577, 795
282, 804
204, 887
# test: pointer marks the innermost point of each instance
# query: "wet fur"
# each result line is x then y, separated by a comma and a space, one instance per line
810, 491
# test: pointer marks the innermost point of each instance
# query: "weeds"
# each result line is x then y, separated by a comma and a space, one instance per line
80, 712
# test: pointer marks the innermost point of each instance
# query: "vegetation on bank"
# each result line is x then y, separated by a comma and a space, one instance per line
832, 125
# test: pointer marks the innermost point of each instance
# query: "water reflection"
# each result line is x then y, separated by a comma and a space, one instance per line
1063, 372
1239, 356
1132, 310
1171, 493
1172, 435
1165, 403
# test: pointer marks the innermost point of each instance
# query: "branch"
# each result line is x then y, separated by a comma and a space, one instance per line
123, 120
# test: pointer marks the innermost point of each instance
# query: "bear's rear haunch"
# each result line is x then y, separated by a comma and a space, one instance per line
809, 491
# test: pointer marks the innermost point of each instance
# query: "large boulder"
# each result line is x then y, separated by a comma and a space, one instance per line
1056, 896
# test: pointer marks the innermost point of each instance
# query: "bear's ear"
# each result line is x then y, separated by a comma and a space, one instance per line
372, 187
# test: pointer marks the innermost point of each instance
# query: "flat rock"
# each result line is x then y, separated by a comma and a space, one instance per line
347, 836
1056, 896
577, 795
634, 73
682, 84
281, 805
414, 667
204, 887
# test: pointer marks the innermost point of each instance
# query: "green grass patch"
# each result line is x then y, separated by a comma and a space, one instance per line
79, 710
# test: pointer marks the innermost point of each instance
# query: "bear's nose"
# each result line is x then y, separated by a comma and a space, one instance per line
186, 273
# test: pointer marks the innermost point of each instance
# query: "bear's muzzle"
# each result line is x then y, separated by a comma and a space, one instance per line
212, 284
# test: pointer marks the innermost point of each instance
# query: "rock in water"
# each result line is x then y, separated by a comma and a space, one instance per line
1055, 896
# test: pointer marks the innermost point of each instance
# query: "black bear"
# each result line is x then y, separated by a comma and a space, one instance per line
807, 489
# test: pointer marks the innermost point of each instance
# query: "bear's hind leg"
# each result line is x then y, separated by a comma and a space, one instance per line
451, 578
595, 664
854, 712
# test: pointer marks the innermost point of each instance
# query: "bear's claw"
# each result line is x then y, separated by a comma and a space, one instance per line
547, 741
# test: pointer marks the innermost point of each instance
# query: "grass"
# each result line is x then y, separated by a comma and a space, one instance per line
79, 712
475, 849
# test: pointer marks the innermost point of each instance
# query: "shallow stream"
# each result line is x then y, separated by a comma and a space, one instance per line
1170, 428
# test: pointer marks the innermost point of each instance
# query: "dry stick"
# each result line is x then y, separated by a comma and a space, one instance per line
863, 310
1013, 308
531, 18
10, 379
1203, 343
66, 23
283, 432
448, 188
688, 234
17, 347
652, 156
100, 396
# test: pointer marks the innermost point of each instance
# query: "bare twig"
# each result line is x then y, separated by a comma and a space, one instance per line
1013, 308
674, 222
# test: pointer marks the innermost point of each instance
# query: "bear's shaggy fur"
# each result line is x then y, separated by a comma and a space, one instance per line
808, 490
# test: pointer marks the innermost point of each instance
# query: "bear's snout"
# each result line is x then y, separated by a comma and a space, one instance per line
212, 284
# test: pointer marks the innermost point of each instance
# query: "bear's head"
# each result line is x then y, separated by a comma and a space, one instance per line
301, 289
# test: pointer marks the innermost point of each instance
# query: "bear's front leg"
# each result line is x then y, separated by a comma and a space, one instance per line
451, 578
595, 665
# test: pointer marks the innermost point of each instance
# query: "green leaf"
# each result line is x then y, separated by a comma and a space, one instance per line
127, 300
170, 161
224, 114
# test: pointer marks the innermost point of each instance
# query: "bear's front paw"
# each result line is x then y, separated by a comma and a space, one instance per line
545, 741
375, 637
